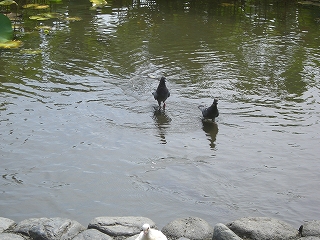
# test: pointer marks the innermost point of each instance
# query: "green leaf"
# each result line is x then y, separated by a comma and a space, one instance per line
98, 3
10, 44
7, 2
6, 31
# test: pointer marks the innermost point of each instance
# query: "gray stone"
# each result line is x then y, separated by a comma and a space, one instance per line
309, 238
134, 237
263, 228
92, 234
120, 226
222, 232
10, 236
311, 228
49, 228
5, 223
193, 228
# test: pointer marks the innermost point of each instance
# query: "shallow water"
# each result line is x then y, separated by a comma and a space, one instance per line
81, 135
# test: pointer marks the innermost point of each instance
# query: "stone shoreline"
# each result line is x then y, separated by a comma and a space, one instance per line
128, 228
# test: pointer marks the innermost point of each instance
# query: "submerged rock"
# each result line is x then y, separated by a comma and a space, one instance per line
263, 228
192, 227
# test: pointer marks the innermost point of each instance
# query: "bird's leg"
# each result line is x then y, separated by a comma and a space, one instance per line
164, 105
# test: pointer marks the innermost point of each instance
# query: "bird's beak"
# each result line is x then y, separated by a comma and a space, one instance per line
146, 231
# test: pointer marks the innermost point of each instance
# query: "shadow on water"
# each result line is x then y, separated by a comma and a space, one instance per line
162, 121
211, 130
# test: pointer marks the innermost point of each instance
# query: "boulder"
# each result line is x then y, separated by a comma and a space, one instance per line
49, 228
92, 234
222, 232
192, 227
5, 223
120, 226
311, 228
263, 228
10, 236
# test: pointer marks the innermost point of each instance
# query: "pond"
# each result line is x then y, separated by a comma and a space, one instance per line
81, 135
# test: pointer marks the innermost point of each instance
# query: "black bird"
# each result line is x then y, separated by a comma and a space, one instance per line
211, 112
162, 92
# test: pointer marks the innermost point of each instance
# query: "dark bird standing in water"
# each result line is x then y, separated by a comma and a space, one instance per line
162, 92
211, 112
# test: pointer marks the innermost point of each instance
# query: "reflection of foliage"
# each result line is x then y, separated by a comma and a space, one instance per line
39, 10
197, 40
211, 130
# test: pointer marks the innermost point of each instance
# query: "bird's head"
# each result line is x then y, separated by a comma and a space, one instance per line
215, 101
145, 228
162, 80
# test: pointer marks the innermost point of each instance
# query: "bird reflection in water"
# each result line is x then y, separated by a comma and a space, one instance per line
162, 121
211, 130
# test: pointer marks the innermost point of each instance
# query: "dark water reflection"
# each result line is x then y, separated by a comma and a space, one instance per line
211, 130
80, 130
162, 121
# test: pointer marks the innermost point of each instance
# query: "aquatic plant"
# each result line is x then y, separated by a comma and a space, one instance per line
6, 30
6, 33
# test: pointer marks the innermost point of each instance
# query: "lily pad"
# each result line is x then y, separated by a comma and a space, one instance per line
10, 44
44, 16
7, 2
31, 5
98, 3
31, 51
72, 19
39, 18
51, 15
6, 31
44, 27
227, 4
309, 3
40, 7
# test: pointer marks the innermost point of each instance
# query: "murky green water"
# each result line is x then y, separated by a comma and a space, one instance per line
81, 135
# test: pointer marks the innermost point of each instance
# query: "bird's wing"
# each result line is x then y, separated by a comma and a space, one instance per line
140, 237
202, 108
156, 235
155, 95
